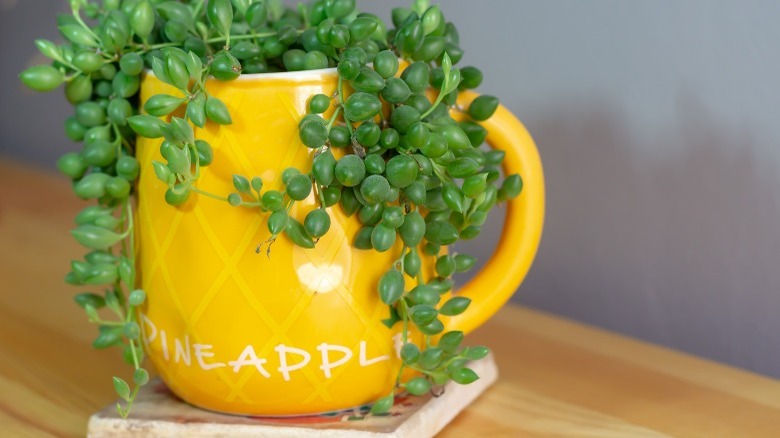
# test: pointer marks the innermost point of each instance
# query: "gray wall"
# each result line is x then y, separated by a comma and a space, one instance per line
657, 125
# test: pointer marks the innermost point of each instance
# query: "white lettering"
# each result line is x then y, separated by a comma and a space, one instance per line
201, 351
327, 365
248, 357
283, 367
398, 343
366, 362
207, 359
148, 323
182, 352
164, 341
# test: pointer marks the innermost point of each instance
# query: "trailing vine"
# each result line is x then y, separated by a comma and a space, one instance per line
409, 171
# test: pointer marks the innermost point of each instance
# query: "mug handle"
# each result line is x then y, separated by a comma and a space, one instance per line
492, 287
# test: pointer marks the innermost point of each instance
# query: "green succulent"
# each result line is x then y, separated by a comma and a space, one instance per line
411, 173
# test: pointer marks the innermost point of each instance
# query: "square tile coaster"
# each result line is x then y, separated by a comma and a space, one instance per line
158, 413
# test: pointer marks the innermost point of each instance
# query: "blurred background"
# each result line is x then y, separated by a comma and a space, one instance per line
657, 123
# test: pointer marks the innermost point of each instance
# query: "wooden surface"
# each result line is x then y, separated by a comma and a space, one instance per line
557, 378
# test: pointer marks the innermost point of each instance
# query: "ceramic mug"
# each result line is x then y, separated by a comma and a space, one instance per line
299, 332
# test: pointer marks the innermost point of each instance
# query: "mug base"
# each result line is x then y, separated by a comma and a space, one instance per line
345, 411
158, 412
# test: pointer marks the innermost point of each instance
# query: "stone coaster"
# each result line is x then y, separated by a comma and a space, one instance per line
159, 413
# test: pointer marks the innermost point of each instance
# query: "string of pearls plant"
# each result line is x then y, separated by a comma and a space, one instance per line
410, 171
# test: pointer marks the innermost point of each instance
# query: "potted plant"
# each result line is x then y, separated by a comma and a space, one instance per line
274, 194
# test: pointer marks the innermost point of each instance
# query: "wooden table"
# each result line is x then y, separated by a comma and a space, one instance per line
558, 378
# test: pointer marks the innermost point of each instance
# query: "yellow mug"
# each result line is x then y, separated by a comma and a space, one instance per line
299, 332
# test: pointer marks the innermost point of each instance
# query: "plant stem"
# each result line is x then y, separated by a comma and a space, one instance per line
320, 194
333, 119
135, 354
160, 46
405, 333
441, 173
217, 40
197, 8
439, 98
240, 37
208, 194
107, 323
80, 21
131, 239
444, 86
130, 401
341, 102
